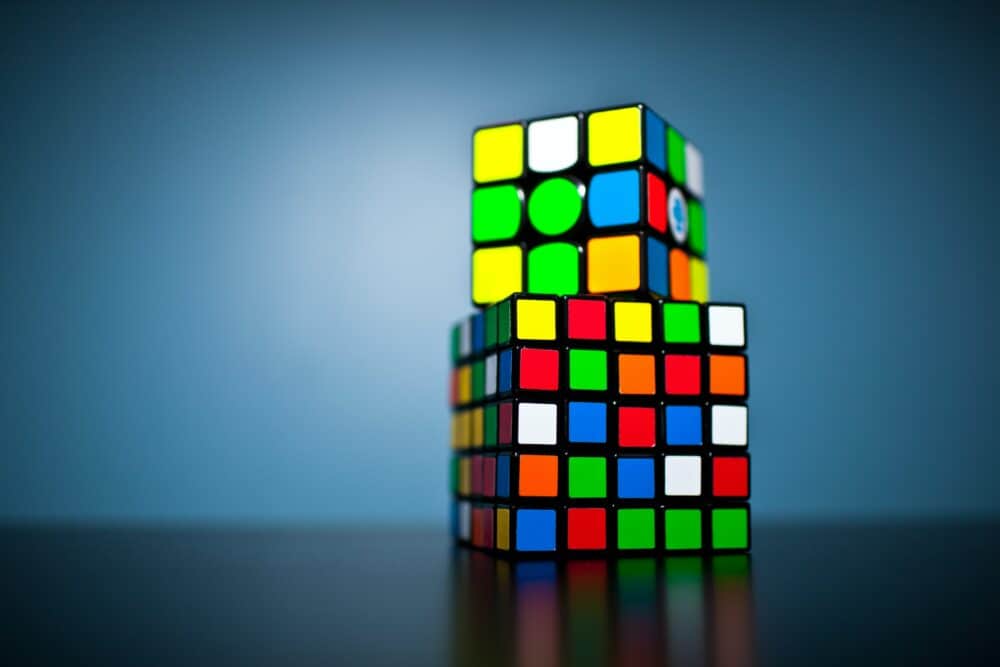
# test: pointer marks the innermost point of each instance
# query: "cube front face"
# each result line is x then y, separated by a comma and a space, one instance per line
601, 202
624, 420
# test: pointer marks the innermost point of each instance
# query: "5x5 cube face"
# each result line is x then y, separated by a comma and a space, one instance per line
602, 202
593, 424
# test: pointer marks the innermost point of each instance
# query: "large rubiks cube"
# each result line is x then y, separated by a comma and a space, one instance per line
599, 404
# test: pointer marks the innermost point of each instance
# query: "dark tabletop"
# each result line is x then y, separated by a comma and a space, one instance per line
836, 593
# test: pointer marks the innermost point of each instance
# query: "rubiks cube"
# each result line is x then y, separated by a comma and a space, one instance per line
598, 404
607, 202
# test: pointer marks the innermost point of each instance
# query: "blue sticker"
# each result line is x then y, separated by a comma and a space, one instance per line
613, 198
588, 422
503, 476
536, 530
478, 333
635, 478
656, 140
683, 425
656, 266
506, 371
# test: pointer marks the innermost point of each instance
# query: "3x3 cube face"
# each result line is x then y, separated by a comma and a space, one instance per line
605, 202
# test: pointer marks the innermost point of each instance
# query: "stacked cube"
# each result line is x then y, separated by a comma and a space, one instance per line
599, 405
609, 202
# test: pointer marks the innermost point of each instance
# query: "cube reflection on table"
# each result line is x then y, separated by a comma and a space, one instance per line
639, 611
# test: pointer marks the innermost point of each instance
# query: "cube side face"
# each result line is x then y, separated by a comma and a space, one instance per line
550, 186
626, 419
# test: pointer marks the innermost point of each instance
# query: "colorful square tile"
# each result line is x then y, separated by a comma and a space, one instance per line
586, 528
536, 530
684, 425
588, 422
636, 478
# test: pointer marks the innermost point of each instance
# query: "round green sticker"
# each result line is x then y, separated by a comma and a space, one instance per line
555, 205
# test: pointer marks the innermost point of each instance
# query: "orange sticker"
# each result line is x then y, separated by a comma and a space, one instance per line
539, 475
680, 276
727, 375
636, 374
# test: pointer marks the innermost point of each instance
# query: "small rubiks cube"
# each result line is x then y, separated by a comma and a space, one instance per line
607, 202
598, 403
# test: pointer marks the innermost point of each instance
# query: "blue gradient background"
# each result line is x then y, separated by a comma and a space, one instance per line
233, 238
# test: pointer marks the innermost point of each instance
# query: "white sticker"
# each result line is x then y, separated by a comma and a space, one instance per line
729, 425
682, 475
677, 211
465, 338
536, 424
491, 375
695, 170
725, 326
553, 144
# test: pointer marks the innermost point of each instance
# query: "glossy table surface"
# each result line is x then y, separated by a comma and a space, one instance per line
834, 593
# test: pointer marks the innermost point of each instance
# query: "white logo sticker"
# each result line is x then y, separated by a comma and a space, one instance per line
677, 211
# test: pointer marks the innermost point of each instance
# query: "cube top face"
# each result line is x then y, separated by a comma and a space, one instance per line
600, 202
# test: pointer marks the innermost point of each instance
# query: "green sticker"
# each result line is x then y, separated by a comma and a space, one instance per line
635, 529
729, 529
588, 369
490, 322
681, 323
696, 233
456, 342
478, 380
490, 425
496, 213
555, 205
675, 155
587, 477
683, 528
503, 322
554, 268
